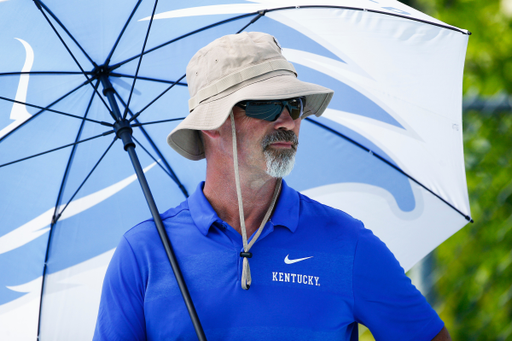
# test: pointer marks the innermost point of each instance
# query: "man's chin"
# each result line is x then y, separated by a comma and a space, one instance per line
279, 163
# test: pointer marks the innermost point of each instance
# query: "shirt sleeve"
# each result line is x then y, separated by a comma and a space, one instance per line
385, 300
121, 313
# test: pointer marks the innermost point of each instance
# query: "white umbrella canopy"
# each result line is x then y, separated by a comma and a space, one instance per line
388, 150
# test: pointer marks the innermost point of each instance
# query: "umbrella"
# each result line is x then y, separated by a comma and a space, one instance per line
77, 77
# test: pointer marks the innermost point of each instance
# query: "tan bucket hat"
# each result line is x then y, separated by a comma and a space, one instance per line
234, 68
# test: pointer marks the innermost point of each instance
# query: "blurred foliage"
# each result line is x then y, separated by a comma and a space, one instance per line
473, 268
488, 68
473, 272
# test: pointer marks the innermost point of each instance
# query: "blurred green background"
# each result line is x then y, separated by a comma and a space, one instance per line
468, 278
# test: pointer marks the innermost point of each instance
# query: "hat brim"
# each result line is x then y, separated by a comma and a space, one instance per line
212, 113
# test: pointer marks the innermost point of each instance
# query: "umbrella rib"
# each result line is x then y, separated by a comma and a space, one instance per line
156, 122
260, 14
39, 3
468, 218
121, 75
456, 29
140, 60
58, 148
36, 73
56, 111
55, 218
169, 170
263, 12
156, 99
182, 37
152, 157
41, 111
73, 150
107, 61
57, 214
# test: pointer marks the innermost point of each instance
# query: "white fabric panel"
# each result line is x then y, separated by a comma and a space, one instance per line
19, 318
73, 295
384, 6
404, 79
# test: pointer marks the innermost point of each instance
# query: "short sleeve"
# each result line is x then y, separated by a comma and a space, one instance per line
121, 313
385, 300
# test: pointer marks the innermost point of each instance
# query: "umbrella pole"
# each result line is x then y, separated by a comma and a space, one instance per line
124, 132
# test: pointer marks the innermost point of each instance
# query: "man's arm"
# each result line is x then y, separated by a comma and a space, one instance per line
384, 298
121, 312
443, 335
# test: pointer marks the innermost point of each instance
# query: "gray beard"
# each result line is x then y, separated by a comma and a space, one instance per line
279, 162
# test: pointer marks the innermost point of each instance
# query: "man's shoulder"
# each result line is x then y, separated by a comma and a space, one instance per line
179, 212
312, 207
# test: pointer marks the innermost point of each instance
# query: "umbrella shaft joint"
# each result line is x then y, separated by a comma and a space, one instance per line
124, 132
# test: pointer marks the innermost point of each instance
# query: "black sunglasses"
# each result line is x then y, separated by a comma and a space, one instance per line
269, 110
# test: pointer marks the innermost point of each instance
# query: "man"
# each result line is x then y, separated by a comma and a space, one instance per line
315, 271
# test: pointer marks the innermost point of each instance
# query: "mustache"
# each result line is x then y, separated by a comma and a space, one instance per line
280, 136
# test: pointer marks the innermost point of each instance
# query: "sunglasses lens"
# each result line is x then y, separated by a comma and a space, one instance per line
264, 110
270, 110
294, 107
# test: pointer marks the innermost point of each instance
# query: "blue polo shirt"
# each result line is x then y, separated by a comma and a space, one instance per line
316, 272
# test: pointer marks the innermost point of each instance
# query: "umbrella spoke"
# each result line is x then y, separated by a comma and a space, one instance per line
71, 155
156, 122
58, 148
56, 214
156, 98
260, 14
140, 60
40, 5
182, 37
120, 75
32, 73
59, 214
43, 109
107, 61
56, 111
169, 169
394, 14
468, 218
55, 218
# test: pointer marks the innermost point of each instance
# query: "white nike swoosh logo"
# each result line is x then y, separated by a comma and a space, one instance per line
291, 261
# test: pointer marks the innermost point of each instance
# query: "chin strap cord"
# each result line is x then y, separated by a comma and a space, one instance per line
246, 271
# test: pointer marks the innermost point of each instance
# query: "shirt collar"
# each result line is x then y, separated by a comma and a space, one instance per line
287, 208
201, 211
285, 214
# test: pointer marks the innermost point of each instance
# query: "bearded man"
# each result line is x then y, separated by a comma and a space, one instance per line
315, 272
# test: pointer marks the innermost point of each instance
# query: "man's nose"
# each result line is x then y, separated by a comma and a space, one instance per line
284, 121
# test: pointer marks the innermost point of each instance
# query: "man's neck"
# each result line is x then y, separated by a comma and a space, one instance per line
257, 195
